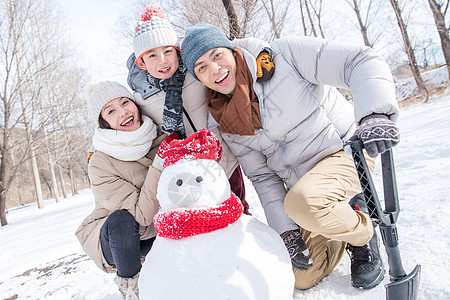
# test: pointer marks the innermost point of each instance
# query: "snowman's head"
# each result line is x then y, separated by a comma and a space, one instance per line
192, 176
192, 183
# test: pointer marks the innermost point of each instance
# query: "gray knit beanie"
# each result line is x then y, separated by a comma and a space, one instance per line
102, 93
153, 31
198, 40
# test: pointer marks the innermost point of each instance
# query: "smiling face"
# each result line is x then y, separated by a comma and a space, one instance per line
217, 70
121, 114
161, 62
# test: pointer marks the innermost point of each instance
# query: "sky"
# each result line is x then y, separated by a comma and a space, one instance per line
91, 26
41, 258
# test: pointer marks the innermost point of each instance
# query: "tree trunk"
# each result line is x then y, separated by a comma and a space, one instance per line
17, 179
55, 189
439, 20
37, 180
313, 28
362, 27
303, 18
409, 50
72, 182
61, 180
3, 219
272, 18
3, 156
235, 29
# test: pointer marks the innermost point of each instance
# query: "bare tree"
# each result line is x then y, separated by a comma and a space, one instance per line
303, 17
365, 17
409, 49
14, 17
316, 6
276, 17
28, 50
312, 9
184, 13
363, 25
310, 17
235, 29
439, 10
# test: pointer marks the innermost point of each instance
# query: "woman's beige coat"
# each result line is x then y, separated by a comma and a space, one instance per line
117, 185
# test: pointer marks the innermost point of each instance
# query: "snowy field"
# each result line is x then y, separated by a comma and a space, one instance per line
41, 258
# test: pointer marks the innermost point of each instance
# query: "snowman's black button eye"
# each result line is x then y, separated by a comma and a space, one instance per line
199, 179
179, 182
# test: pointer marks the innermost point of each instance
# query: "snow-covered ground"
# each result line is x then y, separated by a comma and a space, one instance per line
405, 88
40, 257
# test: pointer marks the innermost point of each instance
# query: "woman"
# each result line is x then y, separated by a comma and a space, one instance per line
120, 230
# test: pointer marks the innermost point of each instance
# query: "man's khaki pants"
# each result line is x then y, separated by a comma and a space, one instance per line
318, 203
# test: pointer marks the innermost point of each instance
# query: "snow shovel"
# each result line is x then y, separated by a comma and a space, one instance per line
402, 286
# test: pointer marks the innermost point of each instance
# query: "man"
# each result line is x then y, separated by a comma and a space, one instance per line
288, 134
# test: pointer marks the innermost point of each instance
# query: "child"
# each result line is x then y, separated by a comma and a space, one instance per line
120, 229
172, 97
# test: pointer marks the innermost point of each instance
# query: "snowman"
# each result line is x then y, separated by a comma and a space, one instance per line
206, 248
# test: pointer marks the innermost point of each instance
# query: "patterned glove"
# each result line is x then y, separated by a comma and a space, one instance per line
264, 66
294, 242
377, 133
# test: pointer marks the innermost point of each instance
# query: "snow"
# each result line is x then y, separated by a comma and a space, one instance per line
41, 258
405, 88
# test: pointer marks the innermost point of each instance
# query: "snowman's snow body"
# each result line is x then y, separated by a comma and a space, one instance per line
244, 260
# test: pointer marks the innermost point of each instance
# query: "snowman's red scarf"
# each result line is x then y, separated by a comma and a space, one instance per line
184, 222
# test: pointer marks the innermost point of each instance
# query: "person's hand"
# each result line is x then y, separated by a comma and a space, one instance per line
264, 67
158, 161
377, 133
294, 242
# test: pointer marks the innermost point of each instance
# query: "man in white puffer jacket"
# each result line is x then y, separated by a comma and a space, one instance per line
288, 134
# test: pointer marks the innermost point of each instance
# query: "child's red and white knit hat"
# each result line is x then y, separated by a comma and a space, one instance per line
153, 31
203, 144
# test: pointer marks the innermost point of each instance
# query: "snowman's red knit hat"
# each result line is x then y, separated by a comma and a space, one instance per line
203, 144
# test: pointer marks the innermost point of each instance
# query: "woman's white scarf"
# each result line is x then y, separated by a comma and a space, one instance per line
126, 145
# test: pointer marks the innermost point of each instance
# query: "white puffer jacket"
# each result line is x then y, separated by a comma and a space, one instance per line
303, 115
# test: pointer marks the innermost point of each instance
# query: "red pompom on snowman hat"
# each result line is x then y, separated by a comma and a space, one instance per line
203, 144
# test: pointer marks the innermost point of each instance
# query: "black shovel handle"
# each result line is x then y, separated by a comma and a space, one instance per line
402, 286
389, 214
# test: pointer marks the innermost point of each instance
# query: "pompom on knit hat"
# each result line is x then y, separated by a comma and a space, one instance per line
203, 144
102, 93
153, 31
198, 40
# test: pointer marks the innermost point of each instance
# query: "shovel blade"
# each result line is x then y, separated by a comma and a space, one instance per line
405, 288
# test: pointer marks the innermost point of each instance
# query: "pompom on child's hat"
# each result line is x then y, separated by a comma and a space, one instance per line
153, 31
198, 40
203, 144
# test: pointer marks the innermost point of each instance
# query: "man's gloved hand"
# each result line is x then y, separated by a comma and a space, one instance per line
377, 133
264, 66
294, 242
